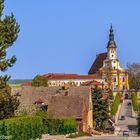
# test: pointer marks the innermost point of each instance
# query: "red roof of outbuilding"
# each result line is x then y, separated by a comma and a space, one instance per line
54, 76
91, 83
27, 84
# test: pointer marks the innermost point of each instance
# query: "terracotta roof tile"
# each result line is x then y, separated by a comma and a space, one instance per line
27, 84
93, 82
55, 76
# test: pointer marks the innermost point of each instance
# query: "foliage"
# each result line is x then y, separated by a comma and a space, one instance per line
8, 103
79, 134
9, 30
101, 110
135, 101
134, 75
107, 71
56, 126
111, 97
40, 81
26, 110
60, 126
22, 128
115, 104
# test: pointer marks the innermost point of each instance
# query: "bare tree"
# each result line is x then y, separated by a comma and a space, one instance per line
134, 75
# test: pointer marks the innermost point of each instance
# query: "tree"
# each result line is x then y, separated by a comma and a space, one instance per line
135, 102
107, 72
40, 81
101, 110
9, 30
134, 75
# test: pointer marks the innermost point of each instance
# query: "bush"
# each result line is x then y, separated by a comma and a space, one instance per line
26, 110
22, 128
60, 126
40, 81
115, 104
135, 101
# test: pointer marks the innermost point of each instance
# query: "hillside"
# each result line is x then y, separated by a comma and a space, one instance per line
19, 81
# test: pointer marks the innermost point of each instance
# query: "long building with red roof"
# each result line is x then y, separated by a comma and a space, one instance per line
60, 79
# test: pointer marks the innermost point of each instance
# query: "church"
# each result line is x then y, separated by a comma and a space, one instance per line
105, 72
107, 66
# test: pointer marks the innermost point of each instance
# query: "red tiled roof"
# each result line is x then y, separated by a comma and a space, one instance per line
91, 83
98, 63
54, 76
27, 84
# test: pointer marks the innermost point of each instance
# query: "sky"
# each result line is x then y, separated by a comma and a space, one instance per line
64, 36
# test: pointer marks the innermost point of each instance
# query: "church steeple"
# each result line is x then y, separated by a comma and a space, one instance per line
111, 46
111, 42
111, 35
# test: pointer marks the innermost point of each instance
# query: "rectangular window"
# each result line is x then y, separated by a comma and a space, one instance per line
123, 79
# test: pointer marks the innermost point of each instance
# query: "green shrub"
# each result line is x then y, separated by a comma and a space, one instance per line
60, 126
22, 128
40, 81
135, 101
115, 104
56, 126
23, 110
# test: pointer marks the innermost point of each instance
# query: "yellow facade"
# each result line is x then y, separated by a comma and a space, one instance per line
111, 71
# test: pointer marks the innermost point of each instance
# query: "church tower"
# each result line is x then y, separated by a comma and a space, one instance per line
111, 51
111, 69
111, 47
107, 65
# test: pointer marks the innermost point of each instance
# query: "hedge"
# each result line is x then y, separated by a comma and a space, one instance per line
22, 128
60, 126
115, 104
135, 101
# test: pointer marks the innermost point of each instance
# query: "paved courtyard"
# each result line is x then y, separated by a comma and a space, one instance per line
47, 137
130, 122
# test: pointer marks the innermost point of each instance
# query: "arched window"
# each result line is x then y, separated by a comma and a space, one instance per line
114, 79
123, 79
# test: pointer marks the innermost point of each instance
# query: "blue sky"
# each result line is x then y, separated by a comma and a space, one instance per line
64, 36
